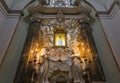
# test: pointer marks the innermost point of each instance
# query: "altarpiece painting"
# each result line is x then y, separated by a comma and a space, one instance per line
60, 39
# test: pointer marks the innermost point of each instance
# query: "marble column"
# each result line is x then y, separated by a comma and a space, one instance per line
25, 68
86, 32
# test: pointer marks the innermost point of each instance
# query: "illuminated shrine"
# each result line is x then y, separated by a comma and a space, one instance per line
59, 41
60, 49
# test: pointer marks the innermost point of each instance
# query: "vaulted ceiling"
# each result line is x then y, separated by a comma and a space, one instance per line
99, 5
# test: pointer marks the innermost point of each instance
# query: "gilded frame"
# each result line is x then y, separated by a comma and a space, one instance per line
60, 39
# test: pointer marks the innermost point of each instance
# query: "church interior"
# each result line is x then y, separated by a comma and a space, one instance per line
59, 41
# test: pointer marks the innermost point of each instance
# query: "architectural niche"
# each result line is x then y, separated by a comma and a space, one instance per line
59, 48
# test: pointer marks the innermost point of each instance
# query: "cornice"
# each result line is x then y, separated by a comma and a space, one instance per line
111, 14
54, 10
8, 10
108, 12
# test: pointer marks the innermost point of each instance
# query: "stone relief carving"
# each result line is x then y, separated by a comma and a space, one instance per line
62, 59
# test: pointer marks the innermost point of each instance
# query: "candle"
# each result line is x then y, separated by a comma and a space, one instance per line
88, 54
31, 53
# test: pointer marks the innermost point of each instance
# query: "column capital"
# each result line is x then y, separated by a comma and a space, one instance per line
83, 18
36, 17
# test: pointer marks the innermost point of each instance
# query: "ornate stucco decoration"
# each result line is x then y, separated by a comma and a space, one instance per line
36, 13
36, 17
72, 52
65, 9
54, 10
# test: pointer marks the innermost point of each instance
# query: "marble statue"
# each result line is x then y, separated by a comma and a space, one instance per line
44, 71
62, 60
76, 71
75, 48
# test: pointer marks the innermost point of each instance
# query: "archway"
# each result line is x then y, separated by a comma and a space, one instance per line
12, 43
40, 51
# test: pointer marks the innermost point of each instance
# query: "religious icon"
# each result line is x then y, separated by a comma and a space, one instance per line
60, 39
60, 42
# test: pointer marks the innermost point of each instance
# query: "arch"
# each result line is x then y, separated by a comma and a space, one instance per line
87, 4
98, 5
26, 3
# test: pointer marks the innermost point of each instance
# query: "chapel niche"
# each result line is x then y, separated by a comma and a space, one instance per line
59, 49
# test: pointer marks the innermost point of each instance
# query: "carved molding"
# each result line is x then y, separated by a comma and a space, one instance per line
110, 9
54, 10
8, 9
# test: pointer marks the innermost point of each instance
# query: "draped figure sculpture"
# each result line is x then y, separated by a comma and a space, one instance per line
76, 71
44, 71
61, 59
